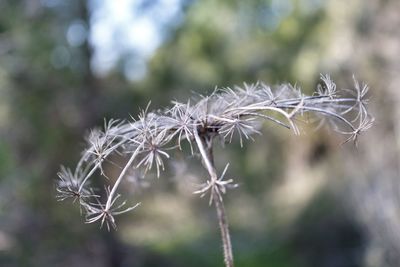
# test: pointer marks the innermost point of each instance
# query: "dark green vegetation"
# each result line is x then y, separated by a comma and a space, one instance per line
301, 200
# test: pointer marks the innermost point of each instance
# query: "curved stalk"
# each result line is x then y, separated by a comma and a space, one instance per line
208, 160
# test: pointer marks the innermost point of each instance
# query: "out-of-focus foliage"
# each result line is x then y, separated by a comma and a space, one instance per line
303, 201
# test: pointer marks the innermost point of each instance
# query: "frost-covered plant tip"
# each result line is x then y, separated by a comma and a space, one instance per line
240, 111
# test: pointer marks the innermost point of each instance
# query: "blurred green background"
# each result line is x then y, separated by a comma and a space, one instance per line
303, 201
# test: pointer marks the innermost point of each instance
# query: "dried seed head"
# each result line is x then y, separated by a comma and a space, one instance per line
228, 113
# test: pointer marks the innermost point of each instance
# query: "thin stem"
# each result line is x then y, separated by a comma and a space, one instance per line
121, 175
224, 227
208, 159
88, 176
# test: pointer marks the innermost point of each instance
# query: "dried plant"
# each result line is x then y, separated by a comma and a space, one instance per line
227, 112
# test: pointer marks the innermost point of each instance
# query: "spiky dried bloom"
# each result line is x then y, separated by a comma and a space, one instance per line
68, 186
104, 213
227, 112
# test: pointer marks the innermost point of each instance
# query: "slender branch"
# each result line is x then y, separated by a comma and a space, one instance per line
121, 175
224, 227
88, 176
208, 159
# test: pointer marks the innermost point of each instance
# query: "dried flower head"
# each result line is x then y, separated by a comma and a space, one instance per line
105, 212
69, 186
226, 113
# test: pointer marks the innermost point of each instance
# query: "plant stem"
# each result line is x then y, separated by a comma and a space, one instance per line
224, 227
121, 175
205, 147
